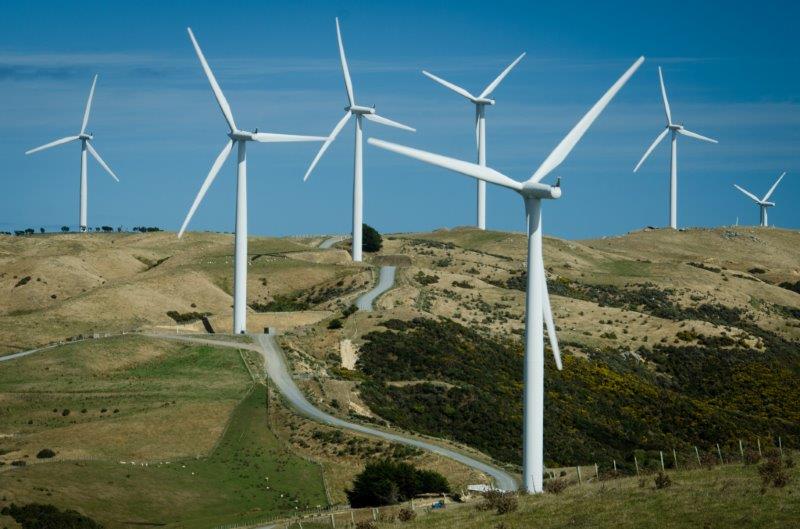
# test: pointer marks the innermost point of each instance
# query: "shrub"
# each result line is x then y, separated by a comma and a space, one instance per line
64, 412
65, 229
23, 281
45, 453
662, 480
365, 524
772, 473
40, 516
406, 515
349, 310
555, 486
186, 317
281, 303
389, 482
425, 279
335, 323
499, 501
371, 240
751, 457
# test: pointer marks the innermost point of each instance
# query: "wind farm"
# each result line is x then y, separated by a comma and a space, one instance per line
278, 362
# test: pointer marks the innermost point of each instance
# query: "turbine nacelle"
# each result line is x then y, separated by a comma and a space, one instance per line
483, 101
241, 135
85, 136
539, 190
358, 109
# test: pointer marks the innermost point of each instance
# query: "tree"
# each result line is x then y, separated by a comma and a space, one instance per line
389, 482
41, 230
372, 240
65, 229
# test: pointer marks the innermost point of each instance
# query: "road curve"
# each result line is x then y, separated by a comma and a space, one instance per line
385, 282
278, 371
329, 242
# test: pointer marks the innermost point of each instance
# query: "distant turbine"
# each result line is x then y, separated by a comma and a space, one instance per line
676, 129
763, 203
240, 138
359, 111
537, 301
480, 127
86, 145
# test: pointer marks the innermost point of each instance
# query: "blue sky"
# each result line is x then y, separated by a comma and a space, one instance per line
731, 73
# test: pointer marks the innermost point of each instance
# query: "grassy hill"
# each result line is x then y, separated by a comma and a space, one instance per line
670, 339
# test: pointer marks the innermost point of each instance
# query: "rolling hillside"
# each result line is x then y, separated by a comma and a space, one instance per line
670, 338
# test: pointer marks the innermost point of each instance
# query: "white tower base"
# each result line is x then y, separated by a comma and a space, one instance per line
533, 403
673, 184
83, 223
481, 132
358, 215
240, 257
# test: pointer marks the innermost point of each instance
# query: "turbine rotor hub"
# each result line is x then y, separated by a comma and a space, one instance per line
241, 135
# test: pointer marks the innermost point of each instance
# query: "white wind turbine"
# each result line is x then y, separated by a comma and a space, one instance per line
480, 127
359, 112
763, 203
240, 138
86, 145
676, 129
537, 301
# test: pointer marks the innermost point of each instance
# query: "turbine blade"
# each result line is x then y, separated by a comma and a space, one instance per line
212, 174
772, 189
548, 316
103, 164
570, 140
53, 144
447, 84
489, 89
348, 83
748, 193
466, 168
334, 133
269, 137
384, 121
223, 103
88, 106
664, 97
695, 135
650, 149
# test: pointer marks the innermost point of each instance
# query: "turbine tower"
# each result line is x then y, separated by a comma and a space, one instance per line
763, 203
86, 145
480, 127
240, 139
676, 129
360, 112
537, 301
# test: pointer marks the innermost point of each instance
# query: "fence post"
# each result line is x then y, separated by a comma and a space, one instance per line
300, 523
615, 465
580, 479
352, 517
412, 504
697, 453
636, 462
661, 453
719, 452
596, 471
675, 458
374, 514
333, 522
741, 450
758, 440
780, 447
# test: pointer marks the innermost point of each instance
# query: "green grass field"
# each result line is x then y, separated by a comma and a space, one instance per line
192, 413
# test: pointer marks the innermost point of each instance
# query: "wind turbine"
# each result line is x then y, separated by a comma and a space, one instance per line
480, 127
763, 203
675, 129
239, 138
360, 112
537, 301
86, 145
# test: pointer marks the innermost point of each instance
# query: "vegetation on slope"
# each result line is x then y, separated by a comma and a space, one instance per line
602, 406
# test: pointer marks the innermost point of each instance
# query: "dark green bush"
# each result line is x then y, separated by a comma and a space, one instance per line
41, 516
335, 323
45, 453
371, 240
389, 482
